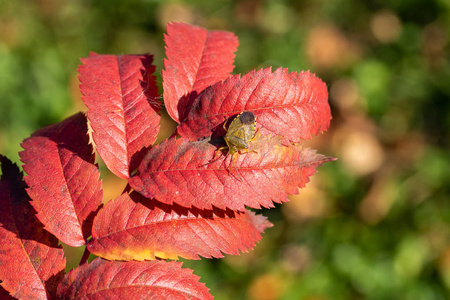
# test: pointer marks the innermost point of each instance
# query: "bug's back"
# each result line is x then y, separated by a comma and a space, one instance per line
240, 132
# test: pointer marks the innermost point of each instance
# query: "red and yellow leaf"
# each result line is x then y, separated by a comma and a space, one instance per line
293, 105
123, 101
196, 59
156, 280
63, 179
183, 172
31, 261
132, 227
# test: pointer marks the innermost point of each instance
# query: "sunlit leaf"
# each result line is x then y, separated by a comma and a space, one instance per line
123, 101
196, 59
63, 179
133, 227
183, 172
156, 280
293, 105
31, 261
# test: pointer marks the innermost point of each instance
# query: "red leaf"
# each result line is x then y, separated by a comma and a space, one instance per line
31, 262
133, 227
183, 172
196, 59
63, 179
288, 104
122, 97
156, 280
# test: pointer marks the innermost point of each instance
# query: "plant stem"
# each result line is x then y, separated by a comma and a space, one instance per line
85, 256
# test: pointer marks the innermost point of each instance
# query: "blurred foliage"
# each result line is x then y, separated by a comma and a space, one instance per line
373, 225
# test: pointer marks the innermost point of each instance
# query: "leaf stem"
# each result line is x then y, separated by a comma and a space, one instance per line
85, 256
127, 189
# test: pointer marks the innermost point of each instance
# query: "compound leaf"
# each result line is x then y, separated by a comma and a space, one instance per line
63, 179
196, 59
293, 105
156, 280
123, 101
133, 227
31, 261
186, 173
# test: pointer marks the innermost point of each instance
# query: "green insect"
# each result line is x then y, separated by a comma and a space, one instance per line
240, 132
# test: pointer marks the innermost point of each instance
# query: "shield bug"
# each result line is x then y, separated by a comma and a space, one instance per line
240, 132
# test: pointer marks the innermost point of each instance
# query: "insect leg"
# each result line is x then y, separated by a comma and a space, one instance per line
256, 136
232, 163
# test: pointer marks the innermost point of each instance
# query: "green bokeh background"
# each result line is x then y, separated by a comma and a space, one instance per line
372, 225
